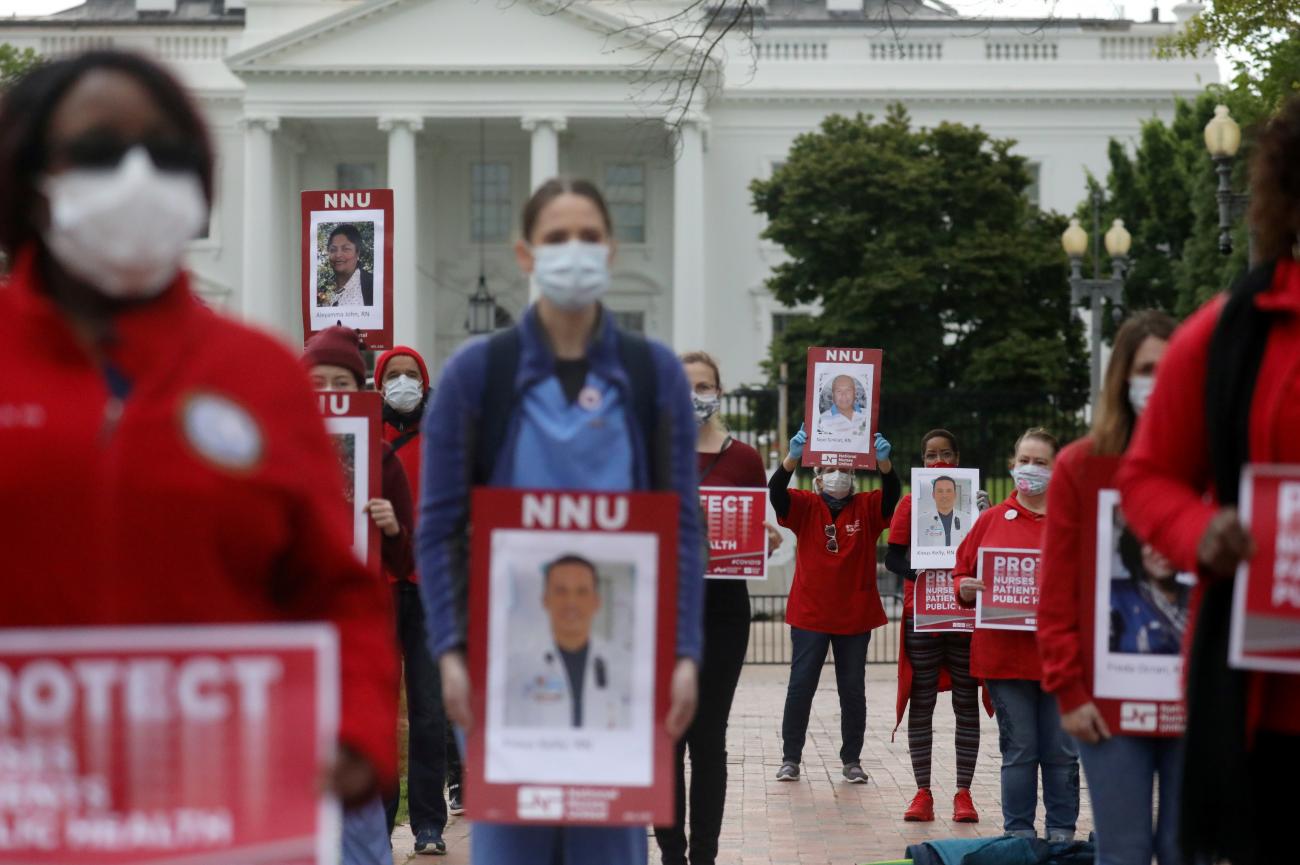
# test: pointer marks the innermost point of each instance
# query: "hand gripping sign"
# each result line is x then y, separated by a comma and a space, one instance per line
842, 407
572, 625
168, 745
937, 609
1009, 601
352, 420
1266, 598
737, 535
1132, 614
347, 263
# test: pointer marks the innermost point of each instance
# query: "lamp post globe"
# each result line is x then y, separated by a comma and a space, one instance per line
1118, 240
1074, 240
1222, 134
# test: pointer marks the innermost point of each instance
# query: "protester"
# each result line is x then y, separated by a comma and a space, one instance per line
403, 379
172, 465
722, 462
633, 428
929, 663
1121, 769
1228, 394
1029, 726
834, 601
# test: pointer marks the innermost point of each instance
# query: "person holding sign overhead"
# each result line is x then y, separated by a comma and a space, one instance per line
834, 601
1121, 769
1028, 721
1228, 396
722, 462
563, 400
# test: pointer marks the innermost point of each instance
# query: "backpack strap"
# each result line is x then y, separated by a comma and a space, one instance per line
404, 438
503, 350
635, 354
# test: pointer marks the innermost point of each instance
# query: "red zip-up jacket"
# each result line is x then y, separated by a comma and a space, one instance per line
1166, 477
998, 654
209, 494
1060, 643
408, 455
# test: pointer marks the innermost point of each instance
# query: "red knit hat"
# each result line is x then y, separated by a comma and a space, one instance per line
337, 346
383, 359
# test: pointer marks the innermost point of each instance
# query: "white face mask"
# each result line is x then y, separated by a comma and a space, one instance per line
1139, 391
836, 484
705, 407
572, 275
1032, 480
403, 393
123, 230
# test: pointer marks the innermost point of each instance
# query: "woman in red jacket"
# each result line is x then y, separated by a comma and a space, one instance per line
723, 462
1029, 726
1229, 394
1121, 769
182, 453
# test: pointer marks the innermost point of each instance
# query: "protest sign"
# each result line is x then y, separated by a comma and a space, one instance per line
1266, 597
842, 407
572, 629
943, 511
184, 745
737, 535
1133, 610
936, 609
1009, 601
347, 263
352, 420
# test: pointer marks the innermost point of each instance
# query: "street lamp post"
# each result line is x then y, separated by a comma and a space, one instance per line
1075, 242
1222, 140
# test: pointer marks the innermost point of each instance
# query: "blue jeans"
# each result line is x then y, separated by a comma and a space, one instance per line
1030, 736
850, 680
365, 835
1120, 774
499, 844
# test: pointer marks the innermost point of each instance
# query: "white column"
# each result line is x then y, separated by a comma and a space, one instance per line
404, 233
259, 302
688, 238
545, 162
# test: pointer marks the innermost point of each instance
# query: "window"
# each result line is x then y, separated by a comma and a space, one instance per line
633, 322
625, 192
490, 209
1033, 192
356, 175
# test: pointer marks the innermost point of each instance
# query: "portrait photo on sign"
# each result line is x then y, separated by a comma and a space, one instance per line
570, 685
350, 436
348, 282
1141, 612
943, 511
843, 407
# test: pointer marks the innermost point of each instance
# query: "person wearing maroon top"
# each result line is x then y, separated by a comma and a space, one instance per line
163, 465
723, 462
1228, 395
834, 601
930, 663
403, 379
1029, 725
1121, 769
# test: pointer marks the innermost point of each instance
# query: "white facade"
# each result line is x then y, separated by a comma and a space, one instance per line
306, 94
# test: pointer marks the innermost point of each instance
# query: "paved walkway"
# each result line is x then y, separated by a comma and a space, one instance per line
821, 820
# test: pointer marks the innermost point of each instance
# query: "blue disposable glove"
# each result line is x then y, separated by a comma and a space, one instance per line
883, 448
797, 442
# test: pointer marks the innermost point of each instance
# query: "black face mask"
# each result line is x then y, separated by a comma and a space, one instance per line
402, 420
836, 505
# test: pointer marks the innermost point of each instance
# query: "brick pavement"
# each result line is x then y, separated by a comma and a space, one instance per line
820, 820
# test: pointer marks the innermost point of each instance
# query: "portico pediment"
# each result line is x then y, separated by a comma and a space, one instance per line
458, 36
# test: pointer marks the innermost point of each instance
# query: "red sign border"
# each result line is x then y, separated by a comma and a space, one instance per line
368, 405
314, 199
872, 357
500, 508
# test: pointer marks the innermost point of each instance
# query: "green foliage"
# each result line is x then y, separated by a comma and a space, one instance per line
1249, 26
920, 242
14, 62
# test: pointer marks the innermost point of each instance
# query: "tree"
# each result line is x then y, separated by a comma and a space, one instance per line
14, 62
921, 242
1251, 26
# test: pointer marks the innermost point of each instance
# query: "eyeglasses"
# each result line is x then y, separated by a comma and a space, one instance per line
832, 545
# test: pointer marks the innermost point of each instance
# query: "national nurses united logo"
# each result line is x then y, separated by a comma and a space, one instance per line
222, 431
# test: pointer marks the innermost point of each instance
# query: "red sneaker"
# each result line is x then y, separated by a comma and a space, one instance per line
922, 808
963, 809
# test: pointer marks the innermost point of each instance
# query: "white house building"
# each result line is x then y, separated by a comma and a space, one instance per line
462, 106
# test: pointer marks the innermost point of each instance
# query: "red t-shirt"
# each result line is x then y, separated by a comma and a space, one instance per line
900, 532
835, 593
998, 654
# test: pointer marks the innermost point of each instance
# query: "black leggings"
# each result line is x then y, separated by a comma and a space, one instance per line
726, 639
928, 653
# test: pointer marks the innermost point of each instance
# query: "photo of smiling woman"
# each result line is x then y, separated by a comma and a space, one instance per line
345, 271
